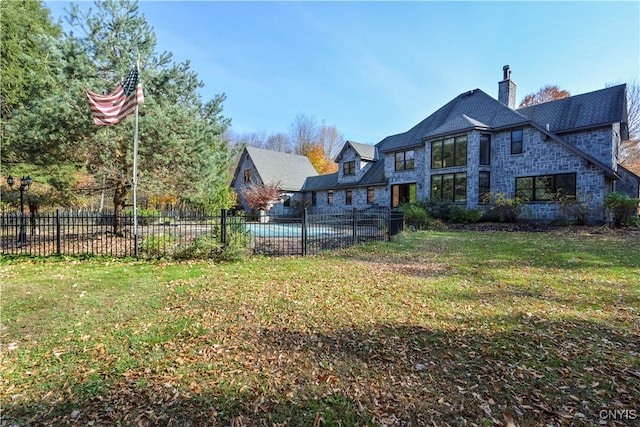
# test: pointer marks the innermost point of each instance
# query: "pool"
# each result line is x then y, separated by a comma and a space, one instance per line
293, 230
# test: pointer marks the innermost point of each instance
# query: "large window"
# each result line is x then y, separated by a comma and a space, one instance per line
370, 195
516, 142
449, 152
402, 193
330, 197
485, 149
348, 196
484, 186
405, 160
449, 187
546, 187
349, 168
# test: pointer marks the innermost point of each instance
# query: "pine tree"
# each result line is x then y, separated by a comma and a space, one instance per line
181, 149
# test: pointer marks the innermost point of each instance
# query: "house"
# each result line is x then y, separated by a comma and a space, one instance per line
359, 182
266, 167
475, 146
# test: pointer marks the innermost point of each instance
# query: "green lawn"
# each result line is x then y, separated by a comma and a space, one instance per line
434, 328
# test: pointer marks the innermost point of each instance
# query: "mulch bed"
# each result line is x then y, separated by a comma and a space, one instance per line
543, 228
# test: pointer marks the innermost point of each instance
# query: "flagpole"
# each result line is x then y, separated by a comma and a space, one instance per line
135, 186
135, 177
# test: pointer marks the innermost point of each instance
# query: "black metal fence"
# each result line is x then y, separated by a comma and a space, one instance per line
167, 234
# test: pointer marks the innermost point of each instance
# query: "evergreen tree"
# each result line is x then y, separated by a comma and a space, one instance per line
181, 149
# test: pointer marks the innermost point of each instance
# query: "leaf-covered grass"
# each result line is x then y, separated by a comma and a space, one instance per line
434, 328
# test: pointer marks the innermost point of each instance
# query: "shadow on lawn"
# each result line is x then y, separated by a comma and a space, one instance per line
529, 369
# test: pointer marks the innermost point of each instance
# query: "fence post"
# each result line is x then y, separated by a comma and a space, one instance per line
304, 232
223, 227
354, 226
58, 232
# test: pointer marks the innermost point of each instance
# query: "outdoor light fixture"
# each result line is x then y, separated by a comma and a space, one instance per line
25, 183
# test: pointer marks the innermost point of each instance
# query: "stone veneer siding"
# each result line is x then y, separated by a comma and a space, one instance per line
417, 175
545, 157
358, 198
602, 144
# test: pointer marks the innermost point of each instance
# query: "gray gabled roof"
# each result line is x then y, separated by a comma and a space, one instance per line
290, 170
477, 110
373, 177
366, 152
474, 104
599, 108
321, 182
457, 124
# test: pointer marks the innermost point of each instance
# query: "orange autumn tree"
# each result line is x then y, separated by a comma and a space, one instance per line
318, 159
546, 94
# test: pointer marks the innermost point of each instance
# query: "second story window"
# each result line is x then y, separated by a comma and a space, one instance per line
349, 168
485, 149
247, 175
449, 152
330, 197
516, 142
405, 160
348, 196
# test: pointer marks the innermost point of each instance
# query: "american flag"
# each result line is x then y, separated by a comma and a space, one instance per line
112, 108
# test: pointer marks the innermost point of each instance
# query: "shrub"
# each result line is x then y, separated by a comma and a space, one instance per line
157, 246
573, 211
622, 207
439, 210
415, 214
502, 208
208, 247
450, 212
464, 215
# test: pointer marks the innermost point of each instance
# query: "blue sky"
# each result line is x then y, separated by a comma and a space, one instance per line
375, 69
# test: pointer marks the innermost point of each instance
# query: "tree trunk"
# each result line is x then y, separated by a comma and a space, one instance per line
119, 203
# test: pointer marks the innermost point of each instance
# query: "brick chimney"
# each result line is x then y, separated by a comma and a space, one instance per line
507, 89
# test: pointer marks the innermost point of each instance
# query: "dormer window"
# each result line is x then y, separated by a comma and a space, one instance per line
349, 168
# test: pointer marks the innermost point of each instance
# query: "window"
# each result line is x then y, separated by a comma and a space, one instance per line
405, 160
449, 187
286, 202
449, 152
247, 175
485, 149
349, 168
546, 187
516, 142
348, 196
402, 193
484, 186
370, 195
314, 198
330, 197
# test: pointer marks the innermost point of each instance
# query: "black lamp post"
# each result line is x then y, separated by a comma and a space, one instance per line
25, 183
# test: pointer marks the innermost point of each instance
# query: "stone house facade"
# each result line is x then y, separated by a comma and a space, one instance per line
476, 146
